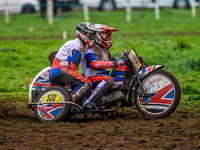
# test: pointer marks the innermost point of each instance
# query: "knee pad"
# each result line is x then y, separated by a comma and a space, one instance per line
110, 80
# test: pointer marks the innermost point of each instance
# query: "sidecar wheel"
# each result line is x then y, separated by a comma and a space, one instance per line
52, 112
167, 98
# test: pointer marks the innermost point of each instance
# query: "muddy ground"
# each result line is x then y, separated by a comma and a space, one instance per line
126, 129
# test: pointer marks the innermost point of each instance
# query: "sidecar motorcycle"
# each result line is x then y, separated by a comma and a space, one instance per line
154, 92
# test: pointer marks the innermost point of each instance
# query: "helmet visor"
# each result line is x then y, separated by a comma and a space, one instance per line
107, 37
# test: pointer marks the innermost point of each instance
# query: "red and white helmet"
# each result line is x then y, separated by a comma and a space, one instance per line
86, 32
104, 38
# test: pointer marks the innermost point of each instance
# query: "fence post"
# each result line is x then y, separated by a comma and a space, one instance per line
50, 11
85, 11
193, 8
128, 11
64, 35
6, 11
157, 11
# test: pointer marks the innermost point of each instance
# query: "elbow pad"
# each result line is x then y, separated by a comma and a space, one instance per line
102, 64
76, 57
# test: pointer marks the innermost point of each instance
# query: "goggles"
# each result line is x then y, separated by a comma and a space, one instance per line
90, 36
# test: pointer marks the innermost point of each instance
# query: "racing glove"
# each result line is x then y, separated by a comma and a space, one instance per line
119, 62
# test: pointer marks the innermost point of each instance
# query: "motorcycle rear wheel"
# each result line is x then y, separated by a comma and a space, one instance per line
167, 98
55, 111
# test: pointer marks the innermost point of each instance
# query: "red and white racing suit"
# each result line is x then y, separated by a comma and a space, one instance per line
95, 64
64, 69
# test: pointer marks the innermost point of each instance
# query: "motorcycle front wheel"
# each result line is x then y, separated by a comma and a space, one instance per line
55, 110
166, 99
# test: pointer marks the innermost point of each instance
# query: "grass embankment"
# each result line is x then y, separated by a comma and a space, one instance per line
173, 41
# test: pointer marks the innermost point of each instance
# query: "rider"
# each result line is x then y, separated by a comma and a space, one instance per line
64, 69
96, 62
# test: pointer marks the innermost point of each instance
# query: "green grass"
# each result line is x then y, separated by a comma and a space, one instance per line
173, 41
143, 21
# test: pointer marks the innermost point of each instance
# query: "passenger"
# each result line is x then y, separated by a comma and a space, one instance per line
64, 69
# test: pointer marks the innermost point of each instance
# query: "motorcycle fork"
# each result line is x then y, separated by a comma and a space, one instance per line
139, 82
142, 93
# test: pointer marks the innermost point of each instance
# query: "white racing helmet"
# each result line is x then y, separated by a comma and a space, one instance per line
87, 33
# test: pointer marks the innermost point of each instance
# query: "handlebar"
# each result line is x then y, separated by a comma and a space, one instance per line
132, 57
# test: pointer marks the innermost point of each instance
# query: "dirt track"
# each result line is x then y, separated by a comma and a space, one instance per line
125, 130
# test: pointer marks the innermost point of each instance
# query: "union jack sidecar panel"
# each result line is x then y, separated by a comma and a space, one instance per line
40, 83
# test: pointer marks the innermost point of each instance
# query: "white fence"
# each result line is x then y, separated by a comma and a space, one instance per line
86, 10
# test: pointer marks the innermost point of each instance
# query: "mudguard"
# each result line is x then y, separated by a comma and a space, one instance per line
142, 73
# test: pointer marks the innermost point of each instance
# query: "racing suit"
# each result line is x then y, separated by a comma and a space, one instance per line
64, 69
95, 64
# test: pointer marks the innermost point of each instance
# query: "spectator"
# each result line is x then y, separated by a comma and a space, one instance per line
43, 8
43, 5
55, 7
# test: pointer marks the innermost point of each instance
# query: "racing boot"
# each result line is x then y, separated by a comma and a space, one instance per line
80, 91
95, 98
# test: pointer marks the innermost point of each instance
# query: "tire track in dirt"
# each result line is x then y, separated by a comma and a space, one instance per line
126, 129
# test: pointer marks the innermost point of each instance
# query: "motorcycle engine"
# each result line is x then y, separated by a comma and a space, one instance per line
114, 96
